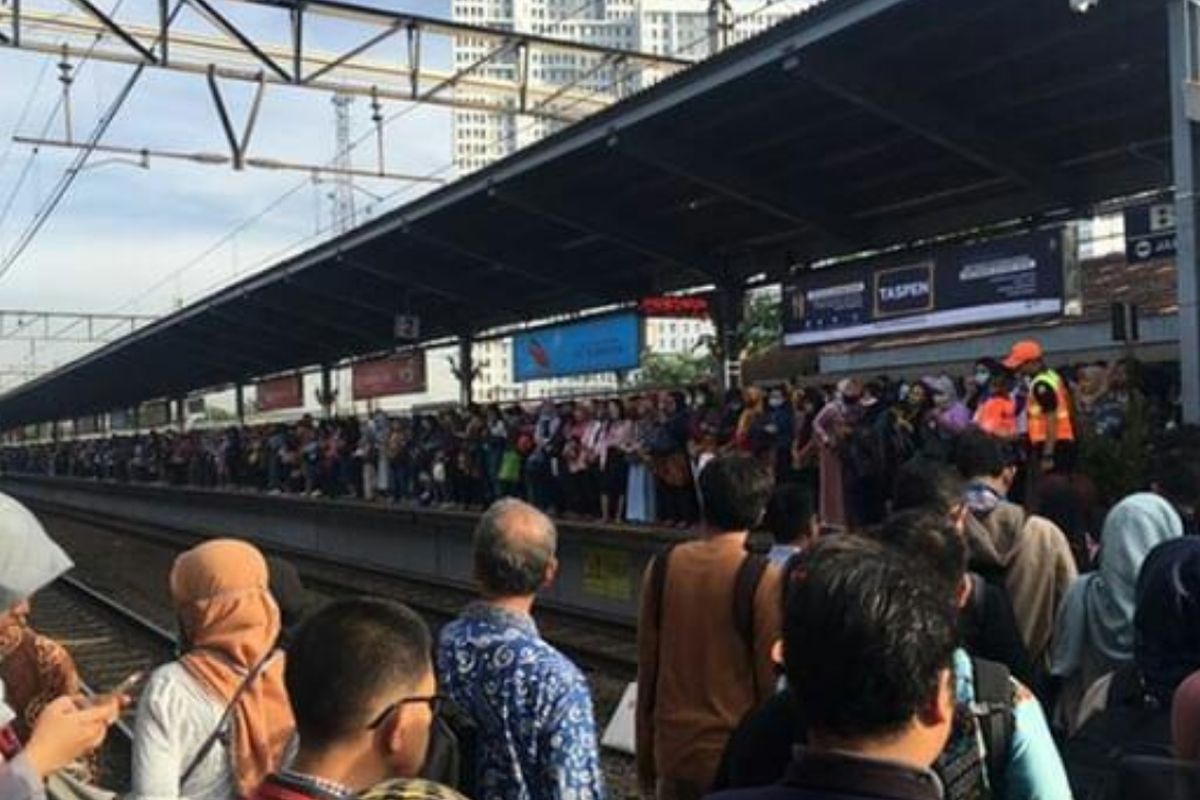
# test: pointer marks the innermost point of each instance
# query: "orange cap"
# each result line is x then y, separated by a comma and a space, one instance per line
1022, 353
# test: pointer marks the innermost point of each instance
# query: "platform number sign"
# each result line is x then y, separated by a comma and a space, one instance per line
1149, 232
407, 328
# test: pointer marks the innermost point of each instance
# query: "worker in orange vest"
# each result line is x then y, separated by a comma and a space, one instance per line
1049, 410
997, 414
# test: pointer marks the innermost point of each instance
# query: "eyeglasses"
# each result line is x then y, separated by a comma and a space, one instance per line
435, 702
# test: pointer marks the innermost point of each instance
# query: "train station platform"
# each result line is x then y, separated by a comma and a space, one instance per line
600, 566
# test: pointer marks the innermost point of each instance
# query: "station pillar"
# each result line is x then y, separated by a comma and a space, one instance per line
180, 413
727, 319
1185, 160
326, 396
239, 398
466, 368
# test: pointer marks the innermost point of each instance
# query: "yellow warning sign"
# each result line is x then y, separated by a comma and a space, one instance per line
606, 573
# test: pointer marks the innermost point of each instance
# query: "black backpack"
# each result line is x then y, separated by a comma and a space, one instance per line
1157, 778
453, 749
1133, 725
989, 722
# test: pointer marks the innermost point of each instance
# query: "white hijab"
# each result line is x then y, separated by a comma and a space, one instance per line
29, 559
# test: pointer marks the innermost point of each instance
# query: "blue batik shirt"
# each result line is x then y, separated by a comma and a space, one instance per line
536, 734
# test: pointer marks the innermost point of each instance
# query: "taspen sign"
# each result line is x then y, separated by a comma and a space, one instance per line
1010, 278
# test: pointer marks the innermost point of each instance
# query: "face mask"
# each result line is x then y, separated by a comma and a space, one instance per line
776, 402
982, 377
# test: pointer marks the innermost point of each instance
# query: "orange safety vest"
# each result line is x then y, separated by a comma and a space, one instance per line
998, 416
1065, 432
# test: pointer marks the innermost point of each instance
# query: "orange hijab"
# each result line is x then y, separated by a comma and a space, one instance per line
231, 621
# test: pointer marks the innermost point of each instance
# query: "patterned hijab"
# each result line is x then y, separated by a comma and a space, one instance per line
231, 623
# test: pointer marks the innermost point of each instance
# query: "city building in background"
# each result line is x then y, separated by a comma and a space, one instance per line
684, 28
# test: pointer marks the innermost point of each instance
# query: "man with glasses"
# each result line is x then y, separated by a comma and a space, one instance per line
536, 736
364, 696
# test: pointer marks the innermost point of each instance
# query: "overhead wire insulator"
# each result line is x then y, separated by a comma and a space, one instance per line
66, 79
377, 118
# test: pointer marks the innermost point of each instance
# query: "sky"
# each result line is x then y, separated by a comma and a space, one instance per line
133, 240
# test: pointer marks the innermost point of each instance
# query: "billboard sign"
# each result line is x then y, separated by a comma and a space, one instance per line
286, 391
1149, 232
1015, 277
602, 344
402, 373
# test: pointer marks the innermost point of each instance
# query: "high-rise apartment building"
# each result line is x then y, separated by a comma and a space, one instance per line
667, 27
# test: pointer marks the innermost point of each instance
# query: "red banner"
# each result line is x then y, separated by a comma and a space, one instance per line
276, 393
692, 306
403, 373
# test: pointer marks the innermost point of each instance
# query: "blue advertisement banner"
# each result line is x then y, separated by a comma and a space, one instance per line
604, 344
1014, 277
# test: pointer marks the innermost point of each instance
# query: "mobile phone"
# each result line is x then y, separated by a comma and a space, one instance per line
131, 682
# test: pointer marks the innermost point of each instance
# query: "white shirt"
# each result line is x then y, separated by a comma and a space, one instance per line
175, 716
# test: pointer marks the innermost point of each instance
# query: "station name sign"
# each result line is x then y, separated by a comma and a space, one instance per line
1010, 278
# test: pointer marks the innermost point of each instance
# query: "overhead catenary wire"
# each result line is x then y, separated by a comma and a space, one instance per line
619, 78
629, 73
69, 175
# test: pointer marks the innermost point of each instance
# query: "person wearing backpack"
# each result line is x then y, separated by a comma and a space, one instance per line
1029, 555
868, 646
1127, 713
1001, 745
709, 616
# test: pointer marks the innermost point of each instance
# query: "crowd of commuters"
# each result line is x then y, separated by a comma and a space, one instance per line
944, 638
635, 458
958, 649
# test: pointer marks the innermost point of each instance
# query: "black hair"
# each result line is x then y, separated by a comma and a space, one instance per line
866, 638
1070, 503
931, 541
924, 483
733, 492
789, 512
345, 662
979, 454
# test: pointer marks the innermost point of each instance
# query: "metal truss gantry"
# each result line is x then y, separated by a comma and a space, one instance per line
387, 62
67, 326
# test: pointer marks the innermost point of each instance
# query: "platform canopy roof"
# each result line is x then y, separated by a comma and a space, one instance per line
855, 125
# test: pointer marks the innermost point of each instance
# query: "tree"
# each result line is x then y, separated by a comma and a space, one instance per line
674, 369
761, 328
762, 324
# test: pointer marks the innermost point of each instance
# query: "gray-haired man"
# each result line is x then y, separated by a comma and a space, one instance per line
532, 706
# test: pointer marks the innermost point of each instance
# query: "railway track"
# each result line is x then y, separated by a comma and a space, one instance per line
606, 648
108, 641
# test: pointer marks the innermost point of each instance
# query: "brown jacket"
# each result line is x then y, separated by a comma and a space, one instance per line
697, 677
1037, 563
